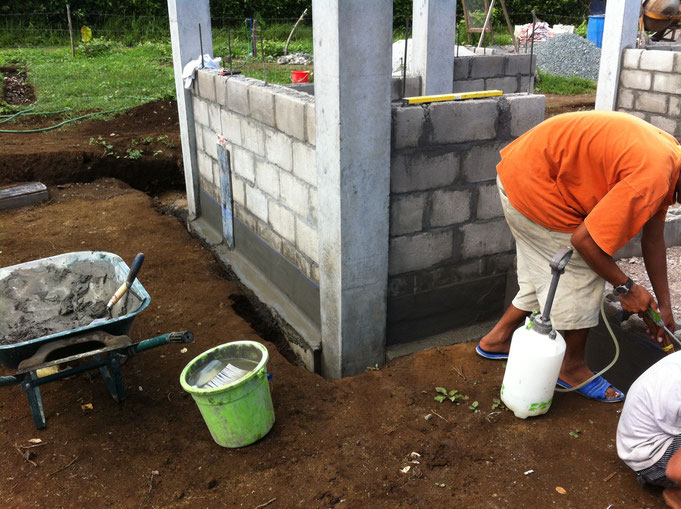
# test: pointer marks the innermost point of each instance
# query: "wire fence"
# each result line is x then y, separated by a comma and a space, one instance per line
51, 28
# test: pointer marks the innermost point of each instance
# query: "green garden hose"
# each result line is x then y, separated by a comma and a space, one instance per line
56, 126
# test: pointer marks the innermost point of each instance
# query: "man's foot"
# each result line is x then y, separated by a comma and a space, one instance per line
570, 379
672, 497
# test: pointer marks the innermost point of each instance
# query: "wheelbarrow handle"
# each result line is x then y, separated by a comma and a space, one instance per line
164, 339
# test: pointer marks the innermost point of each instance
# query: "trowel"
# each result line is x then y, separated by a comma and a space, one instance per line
132, 275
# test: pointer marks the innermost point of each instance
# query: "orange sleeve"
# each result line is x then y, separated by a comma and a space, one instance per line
620, 215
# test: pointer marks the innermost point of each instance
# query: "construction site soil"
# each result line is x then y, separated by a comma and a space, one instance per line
378, 439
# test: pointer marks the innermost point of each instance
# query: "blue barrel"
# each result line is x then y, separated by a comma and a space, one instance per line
594, 30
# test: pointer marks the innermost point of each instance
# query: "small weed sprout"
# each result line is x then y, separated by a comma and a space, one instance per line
575, 433
373, 368
163, 139
147, 140
157, 152
108, 147
133, 142
496, 403
473, 407
133, 154
454, 396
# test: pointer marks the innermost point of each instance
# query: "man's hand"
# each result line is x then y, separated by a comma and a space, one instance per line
638, 300
668, 319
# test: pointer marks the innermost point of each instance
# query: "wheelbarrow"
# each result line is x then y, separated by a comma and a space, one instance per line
103, 345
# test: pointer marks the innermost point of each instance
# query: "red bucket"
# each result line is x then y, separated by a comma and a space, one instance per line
300, 76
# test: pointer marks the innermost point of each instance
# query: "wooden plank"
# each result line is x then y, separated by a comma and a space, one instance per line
22, 195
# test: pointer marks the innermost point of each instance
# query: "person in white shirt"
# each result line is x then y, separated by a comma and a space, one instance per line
649, 430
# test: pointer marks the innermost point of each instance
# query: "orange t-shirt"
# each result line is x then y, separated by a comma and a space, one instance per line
610, 170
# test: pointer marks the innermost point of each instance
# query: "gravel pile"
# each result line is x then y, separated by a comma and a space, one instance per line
569, 55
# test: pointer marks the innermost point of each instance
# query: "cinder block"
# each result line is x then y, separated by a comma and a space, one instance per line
306, 240
667, 83
314, 206
269, 236
210, 142
310, 124
205, 166
658, 61
282, 221
231, 126
208, 188
216, 178
413, 86
238, 190
459, 122
462, 67
267, 177
489, 204
420, 251
640, 80
422, 170
631, 58
674, 106
279, 149
248, 219
298, 259
261, 103
237, 95
480, 239
253, 136
487, 66
526, 83
677, 61
294, 194
290, 115
201, 111
256, 202
244, 165
507, 84
408, 123
198, 133
518, 64
526, 112
625, 99
214, 117
669, 125
206, 85
653, 103
221, 90
468, 86
305, 162
480, 162
406, 213
450, 207
314, 273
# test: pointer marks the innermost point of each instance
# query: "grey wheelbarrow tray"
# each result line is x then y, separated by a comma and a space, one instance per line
111, 331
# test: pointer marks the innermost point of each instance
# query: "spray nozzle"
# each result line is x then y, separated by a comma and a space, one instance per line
542, 324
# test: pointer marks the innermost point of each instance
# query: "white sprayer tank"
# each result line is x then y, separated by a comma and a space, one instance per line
532, 370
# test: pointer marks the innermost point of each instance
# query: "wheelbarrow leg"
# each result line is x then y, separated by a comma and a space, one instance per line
116, 371
34, 400
113, 377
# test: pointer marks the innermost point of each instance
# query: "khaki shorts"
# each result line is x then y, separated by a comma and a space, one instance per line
580, 289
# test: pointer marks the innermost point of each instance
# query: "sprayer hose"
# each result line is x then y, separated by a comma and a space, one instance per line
612, 363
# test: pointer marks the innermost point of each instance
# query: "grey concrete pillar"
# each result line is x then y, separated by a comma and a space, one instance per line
433, 40
352, 48
185, 17
619, 32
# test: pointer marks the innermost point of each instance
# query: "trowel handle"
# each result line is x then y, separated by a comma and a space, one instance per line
561, 259
135, 268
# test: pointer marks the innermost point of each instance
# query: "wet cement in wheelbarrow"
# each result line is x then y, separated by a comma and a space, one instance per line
39, 301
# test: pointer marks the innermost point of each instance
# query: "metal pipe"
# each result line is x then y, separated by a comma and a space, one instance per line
404, 61
530, 74
201, 45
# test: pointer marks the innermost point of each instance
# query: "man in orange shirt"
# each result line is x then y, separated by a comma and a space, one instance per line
593, 179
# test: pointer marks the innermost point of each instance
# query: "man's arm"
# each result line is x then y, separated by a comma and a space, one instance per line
655, 258
638, 299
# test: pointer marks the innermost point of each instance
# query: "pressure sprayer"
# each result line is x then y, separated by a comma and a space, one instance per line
536, 355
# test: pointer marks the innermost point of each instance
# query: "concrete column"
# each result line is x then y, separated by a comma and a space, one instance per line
433, 40
619, 32
352, 47
185, 17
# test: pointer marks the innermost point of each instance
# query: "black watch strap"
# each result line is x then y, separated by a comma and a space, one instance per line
624, 289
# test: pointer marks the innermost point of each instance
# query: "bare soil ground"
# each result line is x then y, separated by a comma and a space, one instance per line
343, 443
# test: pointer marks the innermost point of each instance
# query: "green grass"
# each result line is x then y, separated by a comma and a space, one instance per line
118, 78
561, 85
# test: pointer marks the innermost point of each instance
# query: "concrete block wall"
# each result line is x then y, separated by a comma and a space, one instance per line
509, 73
650, 87
450, 246
270, 134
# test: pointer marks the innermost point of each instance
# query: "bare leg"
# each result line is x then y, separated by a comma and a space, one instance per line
574, 369
672, 496
499, 338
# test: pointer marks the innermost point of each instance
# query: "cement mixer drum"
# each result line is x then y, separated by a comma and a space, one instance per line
659, 15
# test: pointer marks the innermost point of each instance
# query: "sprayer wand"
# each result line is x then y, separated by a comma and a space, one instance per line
542, 324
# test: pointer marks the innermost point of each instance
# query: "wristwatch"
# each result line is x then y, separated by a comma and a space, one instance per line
623, 290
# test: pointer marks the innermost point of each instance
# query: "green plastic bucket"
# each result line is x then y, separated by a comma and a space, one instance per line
241, 412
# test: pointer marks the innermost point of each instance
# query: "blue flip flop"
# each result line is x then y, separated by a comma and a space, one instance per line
595, 390
496, 356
